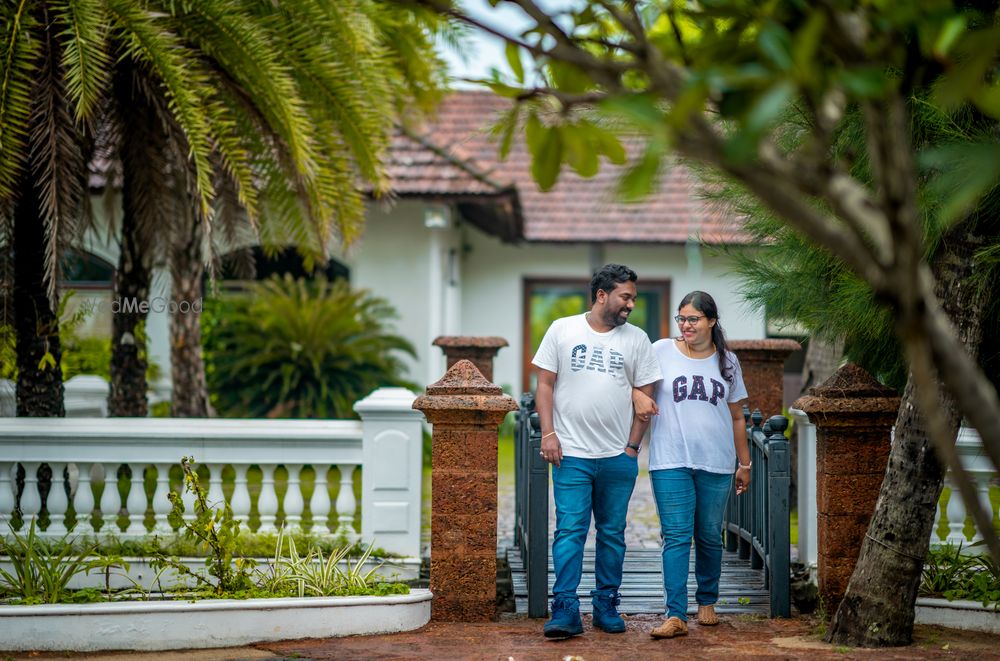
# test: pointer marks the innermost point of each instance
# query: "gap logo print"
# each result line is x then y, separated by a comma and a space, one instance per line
698, 391
600, 359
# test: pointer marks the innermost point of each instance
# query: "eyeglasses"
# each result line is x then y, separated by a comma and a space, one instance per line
680, 319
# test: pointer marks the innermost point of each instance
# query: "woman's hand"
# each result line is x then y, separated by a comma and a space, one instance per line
742, 479
644, 405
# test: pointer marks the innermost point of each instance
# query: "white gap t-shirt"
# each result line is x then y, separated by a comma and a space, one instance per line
695, 427
595, 373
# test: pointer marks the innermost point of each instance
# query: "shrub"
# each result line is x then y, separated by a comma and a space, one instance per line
295, 349
953, 575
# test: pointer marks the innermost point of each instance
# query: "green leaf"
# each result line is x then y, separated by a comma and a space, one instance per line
513, 52
533, 132
776, 44
952, 29
608, 145
505, 128
568, 78
579, 153
640, 109
547, 157
866, 82
641, 179
770, 106
501, 89
964, 174
806, 43
988, 100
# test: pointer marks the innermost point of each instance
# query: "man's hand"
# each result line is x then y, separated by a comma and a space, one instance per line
552, 449
632, 452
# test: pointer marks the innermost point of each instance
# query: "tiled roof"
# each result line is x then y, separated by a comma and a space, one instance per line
454, 155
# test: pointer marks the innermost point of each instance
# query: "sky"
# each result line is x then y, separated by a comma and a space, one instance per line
484, 51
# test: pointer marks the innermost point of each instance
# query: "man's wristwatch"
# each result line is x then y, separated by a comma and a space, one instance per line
637, 448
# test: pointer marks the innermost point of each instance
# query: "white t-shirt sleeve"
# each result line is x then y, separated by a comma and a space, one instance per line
647, 367
547, 356
738, 391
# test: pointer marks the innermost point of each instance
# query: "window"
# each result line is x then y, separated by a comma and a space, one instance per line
548, 300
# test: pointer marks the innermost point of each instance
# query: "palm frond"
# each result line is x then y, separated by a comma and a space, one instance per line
236, 40
17, 79
58, 161
85, 57
146, 40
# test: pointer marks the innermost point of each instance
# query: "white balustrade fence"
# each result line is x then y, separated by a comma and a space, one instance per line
385, 445
952, 521
979, 469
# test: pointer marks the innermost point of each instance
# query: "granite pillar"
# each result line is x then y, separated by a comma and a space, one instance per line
853, 414
763, 365
479, 350
465, 410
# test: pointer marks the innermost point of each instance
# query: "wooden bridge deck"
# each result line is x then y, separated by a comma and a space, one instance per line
741, 589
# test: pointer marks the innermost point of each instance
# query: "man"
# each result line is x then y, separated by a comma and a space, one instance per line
587, 366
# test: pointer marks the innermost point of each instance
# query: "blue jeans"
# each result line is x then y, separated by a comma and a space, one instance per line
690, 503
581, 487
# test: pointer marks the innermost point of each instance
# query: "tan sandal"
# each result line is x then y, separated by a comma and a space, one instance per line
707, 616
672, 626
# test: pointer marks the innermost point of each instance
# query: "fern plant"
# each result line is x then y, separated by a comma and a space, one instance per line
296, 349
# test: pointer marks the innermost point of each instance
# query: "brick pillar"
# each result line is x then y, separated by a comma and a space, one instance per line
853, 414
763, 365
480, 350
464, 409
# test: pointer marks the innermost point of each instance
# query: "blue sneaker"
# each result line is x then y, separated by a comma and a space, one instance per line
565, 621
606, 617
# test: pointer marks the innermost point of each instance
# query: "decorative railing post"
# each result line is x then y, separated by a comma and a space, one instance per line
853, 414
465, 410
805, 485
531, 524
763, 366
779, 487
392, 448
480, 351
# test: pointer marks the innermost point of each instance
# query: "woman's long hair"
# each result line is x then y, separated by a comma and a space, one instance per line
704, 303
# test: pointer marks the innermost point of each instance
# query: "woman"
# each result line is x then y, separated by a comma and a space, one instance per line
697, 439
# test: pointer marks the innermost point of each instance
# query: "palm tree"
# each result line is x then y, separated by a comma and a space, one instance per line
235, 111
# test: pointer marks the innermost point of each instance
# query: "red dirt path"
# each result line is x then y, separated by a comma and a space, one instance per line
520, 639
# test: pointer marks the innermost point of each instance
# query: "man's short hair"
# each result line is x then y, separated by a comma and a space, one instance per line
609, 277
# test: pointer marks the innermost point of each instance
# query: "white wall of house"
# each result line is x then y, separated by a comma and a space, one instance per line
460, 281
493, 295
409, 265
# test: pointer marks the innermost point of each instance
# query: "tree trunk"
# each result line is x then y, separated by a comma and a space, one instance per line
878, 607
36, 323
190, 394
132, 279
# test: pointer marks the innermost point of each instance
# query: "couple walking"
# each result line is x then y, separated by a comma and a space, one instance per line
600, 382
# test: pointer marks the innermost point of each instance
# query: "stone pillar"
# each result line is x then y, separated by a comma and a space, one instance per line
479, 350
853, 414
465, 410
763, 364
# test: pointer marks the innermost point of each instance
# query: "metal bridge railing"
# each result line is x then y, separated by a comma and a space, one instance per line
756, 524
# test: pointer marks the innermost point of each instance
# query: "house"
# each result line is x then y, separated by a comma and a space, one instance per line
468, 245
